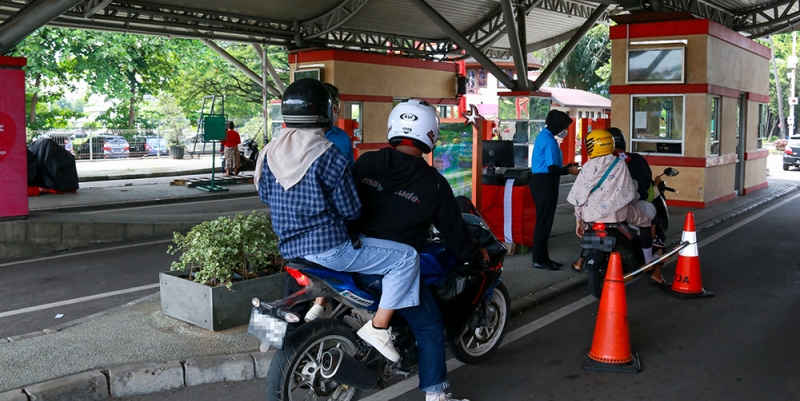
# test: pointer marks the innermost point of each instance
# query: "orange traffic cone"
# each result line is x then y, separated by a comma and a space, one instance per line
687, 282
611, 345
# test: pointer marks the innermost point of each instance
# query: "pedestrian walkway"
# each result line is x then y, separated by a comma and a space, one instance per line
134, 349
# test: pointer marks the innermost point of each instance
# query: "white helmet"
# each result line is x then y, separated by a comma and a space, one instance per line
416, 121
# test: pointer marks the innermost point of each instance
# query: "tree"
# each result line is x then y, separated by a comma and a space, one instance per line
49, 70
124, 69
587, 67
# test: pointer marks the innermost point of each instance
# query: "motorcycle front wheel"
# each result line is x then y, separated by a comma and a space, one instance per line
486, 328
294, 373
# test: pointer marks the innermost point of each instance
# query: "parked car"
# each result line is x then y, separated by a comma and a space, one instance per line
60, 138
148, 146
197, 144
155, 146
104, 146
791, 155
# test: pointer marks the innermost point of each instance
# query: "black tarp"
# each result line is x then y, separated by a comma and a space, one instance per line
54, 166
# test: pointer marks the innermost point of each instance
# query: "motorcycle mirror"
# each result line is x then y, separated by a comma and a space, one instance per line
671, 172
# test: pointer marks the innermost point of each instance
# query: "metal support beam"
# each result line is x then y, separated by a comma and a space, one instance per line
520, 61
30, 18
238, 64
93, 6
465, 44
532, 47
264, 97
262, 53
569, 47
523, 38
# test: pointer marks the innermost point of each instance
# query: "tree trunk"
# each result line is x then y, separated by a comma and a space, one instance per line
132, 113
34, 100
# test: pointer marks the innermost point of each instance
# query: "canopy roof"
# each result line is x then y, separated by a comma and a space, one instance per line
399, 25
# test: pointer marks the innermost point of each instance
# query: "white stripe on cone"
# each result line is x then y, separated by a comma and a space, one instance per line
507, 215
690, 250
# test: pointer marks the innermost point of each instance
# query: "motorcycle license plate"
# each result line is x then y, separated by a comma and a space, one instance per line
593, 241
268, 329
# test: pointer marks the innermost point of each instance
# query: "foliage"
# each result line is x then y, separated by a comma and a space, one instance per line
166, 114
780, 144
215, 250
587, 67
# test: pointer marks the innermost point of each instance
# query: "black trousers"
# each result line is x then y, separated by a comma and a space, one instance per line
544, 188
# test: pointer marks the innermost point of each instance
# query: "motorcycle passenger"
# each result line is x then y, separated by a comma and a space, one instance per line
402, 196
604, 190
643, 176
311, 194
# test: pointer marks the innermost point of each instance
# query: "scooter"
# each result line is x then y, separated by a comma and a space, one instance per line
325, 359
600, 239
248, 158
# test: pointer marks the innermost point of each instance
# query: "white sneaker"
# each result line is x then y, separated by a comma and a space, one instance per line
316, 311
381, 339
441, 396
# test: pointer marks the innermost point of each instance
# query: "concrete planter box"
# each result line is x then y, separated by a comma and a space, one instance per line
215, 308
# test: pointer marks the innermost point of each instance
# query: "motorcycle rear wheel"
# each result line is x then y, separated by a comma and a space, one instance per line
484, 336
294, 373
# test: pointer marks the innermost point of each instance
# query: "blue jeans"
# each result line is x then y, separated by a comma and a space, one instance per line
426, 324
397, 263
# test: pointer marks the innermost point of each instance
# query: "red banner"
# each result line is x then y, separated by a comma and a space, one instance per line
509, 211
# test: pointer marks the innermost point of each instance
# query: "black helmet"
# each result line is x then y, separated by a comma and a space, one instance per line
307, 103
619, 138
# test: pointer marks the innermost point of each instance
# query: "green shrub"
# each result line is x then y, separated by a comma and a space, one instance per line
215, 250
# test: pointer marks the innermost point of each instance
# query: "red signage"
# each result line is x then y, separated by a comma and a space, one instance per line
13, 150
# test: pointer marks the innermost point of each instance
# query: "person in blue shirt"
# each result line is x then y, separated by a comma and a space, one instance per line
546, 171
337, 135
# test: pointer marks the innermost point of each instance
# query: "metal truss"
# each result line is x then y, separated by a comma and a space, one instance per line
331, 20
703, 9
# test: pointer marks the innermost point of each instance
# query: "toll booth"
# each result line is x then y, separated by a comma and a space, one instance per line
692, 94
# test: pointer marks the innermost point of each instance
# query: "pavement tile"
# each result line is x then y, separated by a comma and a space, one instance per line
145, 378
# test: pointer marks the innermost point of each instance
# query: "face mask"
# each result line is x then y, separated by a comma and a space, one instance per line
562, 134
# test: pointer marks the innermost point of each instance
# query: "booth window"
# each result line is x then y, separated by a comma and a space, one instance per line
657, 123
660, 65
714, 129
509, 72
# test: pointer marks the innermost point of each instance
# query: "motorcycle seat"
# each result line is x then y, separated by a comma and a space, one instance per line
300, 264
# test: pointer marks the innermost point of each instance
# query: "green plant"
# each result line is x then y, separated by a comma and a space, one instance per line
215, 250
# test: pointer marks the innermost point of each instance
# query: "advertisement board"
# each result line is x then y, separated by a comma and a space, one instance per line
13, 150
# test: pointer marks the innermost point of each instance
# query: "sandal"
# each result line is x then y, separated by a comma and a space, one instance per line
663, 284
576, 266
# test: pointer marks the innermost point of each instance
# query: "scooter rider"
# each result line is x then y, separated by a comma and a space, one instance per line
402, 196
311, 194
643, 176
604, 190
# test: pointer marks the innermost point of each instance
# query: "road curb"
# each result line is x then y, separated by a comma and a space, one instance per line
149, 202
146, 175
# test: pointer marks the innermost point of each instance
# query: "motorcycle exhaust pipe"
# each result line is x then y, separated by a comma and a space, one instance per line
339, 366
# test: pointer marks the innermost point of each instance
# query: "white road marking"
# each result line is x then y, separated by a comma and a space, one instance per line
77, 300
453, 364
66, 255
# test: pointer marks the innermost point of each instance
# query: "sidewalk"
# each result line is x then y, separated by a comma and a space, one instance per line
134, 349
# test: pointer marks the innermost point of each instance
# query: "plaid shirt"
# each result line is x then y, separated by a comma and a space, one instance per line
311, 217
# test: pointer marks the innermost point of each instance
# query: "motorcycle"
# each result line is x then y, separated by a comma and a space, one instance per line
325, 359
600, 239
248, 157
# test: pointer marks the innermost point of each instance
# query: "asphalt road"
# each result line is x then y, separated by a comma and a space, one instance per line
739, 345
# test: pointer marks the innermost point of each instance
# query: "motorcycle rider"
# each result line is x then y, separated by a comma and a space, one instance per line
402, 196
604, 190
311, 194
643, 176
